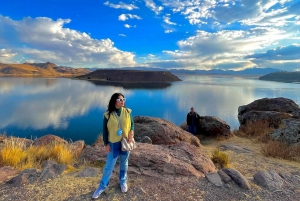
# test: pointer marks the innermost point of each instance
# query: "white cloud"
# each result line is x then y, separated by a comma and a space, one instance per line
127, 26
43, 39
125, 17
168, 31
123, 35
6, 53
121, 5
150, 4
223, 49
167, 20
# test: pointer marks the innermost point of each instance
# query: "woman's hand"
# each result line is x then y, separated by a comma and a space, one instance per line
107, 148
130, 136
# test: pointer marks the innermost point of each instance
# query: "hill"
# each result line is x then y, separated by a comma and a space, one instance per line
282, 76
130, 76
40, 69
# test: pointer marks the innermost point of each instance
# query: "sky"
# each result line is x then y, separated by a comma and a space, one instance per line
168, 34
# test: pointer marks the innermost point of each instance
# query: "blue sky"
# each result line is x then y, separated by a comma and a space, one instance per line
169, 34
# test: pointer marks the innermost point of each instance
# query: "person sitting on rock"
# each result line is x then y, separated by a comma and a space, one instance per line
192, 120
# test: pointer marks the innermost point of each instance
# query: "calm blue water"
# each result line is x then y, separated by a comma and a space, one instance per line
73, 109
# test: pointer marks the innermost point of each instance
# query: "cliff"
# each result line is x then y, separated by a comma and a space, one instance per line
130, 76
40, 69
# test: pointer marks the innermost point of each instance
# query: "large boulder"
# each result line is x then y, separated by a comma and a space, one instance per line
161, 131
155, 160
269, 118
180, 159
282, 114
48, 139
272, 104
213, 126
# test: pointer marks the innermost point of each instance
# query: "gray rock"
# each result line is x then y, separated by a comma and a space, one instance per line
214, 178
48, 163
26, 176
6, 172
51, 170
272, 104
235, 148
290, 133
224, 176
161, 131
214, 126
268, 179
88, 172
271, 118
146, 139
238, 178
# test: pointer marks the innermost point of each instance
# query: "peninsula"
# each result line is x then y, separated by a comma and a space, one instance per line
130, 76
282, 76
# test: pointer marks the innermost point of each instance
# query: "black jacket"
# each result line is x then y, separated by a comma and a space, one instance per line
192, 119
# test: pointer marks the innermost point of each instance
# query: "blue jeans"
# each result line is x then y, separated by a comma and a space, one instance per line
111, 159
192, 129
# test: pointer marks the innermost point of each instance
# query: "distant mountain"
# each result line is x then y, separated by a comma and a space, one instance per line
129, 76
249, 71
40, 69
282, 76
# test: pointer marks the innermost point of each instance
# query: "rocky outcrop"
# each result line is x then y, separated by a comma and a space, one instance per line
282, 114
290, 133
6, 172
147, 159
282, 105
26, 176
48, 139
20, 141
269, 118
161, 131
213, 126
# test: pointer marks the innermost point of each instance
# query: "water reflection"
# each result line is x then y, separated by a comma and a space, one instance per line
147, 85
73, 109
41, 103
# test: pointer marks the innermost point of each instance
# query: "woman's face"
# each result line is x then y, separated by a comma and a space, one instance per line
120, 102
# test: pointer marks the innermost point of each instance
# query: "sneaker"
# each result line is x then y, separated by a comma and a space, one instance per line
124, 188
97, 193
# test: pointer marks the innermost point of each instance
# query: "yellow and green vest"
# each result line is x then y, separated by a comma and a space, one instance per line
112, 125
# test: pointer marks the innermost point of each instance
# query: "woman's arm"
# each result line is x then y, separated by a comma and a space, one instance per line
105, 131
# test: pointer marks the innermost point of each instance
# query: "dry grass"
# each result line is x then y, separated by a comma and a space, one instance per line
220, 159
281, 150
14, 153
99, 140
260, 132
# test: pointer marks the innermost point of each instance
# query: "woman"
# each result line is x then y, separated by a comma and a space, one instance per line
117, 123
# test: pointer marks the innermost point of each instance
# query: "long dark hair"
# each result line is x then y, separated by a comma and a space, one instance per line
112, 102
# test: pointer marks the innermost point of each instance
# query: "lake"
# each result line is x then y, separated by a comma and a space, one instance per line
73, 109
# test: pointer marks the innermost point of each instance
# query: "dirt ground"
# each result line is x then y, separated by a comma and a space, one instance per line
170, 187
